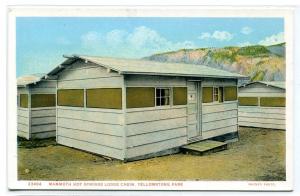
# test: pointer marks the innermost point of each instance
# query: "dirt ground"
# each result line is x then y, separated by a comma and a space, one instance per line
258, 155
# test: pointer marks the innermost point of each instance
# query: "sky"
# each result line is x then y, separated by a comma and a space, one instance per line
42, 41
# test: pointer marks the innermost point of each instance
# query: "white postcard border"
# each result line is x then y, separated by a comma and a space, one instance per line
146, 11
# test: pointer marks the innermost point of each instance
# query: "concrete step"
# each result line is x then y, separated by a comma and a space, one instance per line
204, 147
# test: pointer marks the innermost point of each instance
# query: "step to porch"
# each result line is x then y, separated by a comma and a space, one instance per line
204, 147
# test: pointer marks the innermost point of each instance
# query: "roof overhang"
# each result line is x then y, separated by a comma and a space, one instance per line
73, 58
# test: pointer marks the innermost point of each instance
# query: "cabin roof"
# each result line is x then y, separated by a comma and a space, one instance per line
29, 79
144, 67
276, 84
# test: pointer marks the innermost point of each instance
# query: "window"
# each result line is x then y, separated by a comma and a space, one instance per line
248, 101
24, 100
42, 100
221, 94
272, 101
179, 96
109, 98
70, 97
230, 93
162, 96
139, 97
207, 94
216, 94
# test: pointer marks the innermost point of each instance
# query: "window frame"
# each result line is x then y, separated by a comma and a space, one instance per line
169, 96
215, 94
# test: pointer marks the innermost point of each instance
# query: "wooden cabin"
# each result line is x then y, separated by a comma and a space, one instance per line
135, 109
36, 107
262, 104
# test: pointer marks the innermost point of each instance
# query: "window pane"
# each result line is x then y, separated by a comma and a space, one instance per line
23, 100
158, 92
138, 97
207, 94
248, 101
42, 100
167, 101
108, 98
230, 93
221, 97
272, 101
158, 103
179, 96
165, 92
70, 97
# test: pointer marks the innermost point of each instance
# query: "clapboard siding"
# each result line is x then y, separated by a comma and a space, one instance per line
43, 112
264, 117
23, 122
43, 128
260, 115
93, 137
91, 147
40, 122
219, 118
43, 119
211, 117
155, 81
218, 132
23, 130
23, 134
270, 94
263, 120
24, 112
45, 134
87, 75
96, 127
155, 130
271, 117
219, 107
153, 137
219, 124
265, 110
156, 147
91, 115
112, 82
147, 127
90, 71
92, 128
154, 115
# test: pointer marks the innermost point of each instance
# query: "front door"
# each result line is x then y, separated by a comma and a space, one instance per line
194, 111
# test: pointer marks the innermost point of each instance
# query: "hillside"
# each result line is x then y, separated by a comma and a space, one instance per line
258, 62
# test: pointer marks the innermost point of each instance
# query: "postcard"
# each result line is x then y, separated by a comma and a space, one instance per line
150, 98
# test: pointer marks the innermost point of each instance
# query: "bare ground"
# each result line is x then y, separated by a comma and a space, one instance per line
259, 155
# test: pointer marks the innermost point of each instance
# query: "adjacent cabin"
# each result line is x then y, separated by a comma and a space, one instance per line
134, 109
262, 104
36, 102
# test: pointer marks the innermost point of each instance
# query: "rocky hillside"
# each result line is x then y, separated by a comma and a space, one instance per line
258, 62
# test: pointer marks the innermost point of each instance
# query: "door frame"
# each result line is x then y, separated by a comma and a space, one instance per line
198, 86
